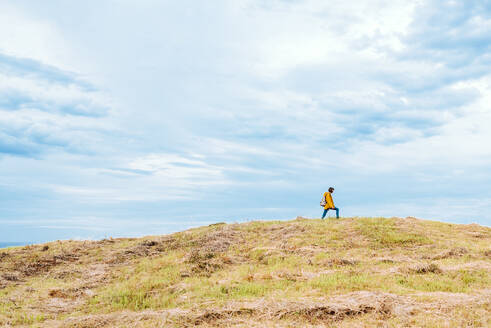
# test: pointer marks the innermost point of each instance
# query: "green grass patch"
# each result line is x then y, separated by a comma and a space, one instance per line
383, 232
341, 281
28, 319
147, 286
245, 290
453, 281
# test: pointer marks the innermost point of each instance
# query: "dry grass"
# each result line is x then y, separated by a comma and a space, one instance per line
352, 272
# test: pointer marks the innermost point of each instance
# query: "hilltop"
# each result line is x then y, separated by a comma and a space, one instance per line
352, 272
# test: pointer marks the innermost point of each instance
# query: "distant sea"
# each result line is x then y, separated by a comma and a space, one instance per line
10, 244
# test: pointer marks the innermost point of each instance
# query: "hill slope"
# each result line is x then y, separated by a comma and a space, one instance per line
352, 272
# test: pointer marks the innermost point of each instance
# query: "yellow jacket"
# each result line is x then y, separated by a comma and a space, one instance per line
329, 201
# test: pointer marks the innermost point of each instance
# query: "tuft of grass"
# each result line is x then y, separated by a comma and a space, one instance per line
432, 267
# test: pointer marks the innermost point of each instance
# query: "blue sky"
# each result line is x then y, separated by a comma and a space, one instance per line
129, 118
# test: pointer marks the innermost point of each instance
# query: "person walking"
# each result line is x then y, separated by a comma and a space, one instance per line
329, 203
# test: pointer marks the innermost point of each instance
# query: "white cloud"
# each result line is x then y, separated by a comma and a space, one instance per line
242, 106
22, 35
283, 36
174, 171
52, 96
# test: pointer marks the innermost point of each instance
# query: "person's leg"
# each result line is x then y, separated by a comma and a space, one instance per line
337, 212
324, 214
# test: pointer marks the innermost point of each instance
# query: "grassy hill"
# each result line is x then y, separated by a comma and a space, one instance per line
352, 272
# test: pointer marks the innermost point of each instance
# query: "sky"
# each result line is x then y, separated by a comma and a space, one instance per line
131, 118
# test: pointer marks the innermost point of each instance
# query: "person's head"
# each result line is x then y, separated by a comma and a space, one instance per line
331, 189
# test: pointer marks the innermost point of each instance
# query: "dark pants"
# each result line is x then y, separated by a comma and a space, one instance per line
337, 212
